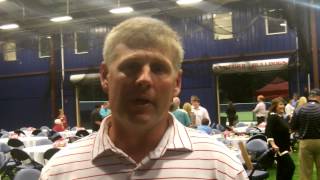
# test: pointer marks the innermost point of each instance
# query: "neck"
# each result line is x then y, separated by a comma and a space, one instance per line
136, 142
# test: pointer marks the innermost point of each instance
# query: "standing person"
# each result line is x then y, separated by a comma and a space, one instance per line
231, 114
302, 101
95, 118
141, 139
289, 109
176, 101
199, 111
58, 125
277, 131
306, 121
260, 109
294, 100
188, 108
63, 118
181, 115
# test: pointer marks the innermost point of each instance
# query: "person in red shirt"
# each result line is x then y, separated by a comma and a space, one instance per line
58, 126
63, 118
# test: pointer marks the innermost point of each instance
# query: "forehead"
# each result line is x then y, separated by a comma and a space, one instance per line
122, 52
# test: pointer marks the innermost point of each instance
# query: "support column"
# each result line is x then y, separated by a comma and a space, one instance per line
314, 45
53, 80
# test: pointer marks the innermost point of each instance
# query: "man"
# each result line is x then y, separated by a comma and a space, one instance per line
181, 115
204, 127
140, 139
260, 110
176, 101
306, 120
199, 111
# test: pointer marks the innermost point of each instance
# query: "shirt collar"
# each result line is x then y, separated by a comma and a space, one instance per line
176, 137
313, 100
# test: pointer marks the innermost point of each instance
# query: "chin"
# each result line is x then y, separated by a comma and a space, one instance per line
141, 119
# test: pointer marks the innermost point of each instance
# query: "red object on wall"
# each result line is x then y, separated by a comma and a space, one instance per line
277, 87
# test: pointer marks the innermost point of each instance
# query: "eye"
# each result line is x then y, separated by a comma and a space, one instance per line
160, 68
130, 68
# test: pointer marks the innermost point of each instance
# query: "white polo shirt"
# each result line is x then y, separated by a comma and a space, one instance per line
200, 113
182, 153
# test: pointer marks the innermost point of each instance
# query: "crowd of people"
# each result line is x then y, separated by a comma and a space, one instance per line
140, 139
300, 117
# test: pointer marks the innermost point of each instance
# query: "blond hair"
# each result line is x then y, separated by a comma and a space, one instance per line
187, 107
144, 33
302, 100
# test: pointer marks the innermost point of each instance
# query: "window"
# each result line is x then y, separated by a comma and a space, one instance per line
222, 26
44, 46
275, 23
81, 42
9, 51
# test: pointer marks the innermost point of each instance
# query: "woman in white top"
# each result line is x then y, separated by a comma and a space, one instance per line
260, 109
289, 109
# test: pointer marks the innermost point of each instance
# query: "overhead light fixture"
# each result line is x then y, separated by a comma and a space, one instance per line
61, 19
187, 2
9, 26
121, 10
2, 1
283, 24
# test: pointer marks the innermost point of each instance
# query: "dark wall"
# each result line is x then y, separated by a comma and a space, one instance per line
249, 36
24, 101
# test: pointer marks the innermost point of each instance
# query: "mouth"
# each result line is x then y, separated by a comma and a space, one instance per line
142, 101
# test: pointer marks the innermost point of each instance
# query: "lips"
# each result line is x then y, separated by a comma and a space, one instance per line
142, 101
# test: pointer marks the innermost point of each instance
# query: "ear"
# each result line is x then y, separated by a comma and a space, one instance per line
177, 88
103, 77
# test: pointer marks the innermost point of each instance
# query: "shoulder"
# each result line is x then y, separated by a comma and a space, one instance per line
203, 109
75, 156
180, 111
273, 115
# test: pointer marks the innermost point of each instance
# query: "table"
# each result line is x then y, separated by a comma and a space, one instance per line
67, 133
36, 152
230, 141
28, 141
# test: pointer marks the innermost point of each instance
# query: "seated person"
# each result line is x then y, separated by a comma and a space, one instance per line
96, 118
204, 127
104, 110
58, 125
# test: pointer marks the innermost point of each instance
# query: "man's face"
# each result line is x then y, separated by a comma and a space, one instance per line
141, 85
195, 103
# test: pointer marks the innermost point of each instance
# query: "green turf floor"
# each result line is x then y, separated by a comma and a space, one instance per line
294, 155
243, 116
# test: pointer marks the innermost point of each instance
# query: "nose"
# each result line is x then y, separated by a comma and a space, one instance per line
144, 77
